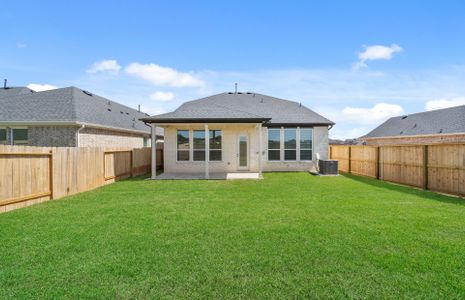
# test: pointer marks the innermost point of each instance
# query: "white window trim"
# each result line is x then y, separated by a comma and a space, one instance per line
191, 148
281, 145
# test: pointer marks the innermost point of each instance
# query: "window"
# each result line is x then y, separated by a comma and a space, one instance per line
274, 144
215, 145
183, 145
306, 143
145, 141
199, 145
290, 144
19, 136
2, 136
296, 144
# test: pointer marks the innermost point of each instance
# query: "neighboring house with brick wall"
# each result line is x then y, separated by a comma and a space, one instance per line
432, 127
241, 132
69, 117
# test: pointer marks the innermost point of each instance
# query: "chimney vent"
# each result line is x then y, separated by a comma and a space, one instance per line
4, 84
138, 108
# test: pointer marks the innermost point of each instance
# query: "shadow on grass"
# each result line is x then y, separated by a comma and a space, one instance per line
406, 189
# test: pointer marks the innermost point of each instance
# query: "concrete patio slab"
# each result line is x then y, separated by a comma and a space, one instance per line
213, 176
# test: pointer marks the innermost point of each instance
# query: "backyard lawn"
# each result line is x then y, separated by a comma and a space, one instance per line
290, 235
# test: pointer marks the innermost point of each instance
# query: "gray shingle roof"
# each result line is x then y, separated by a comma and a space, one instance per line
13, 91
70, 104
243, 106
447, 120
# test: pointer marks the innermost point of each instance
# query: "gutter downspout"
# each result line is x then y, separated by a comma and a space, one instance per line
77, 134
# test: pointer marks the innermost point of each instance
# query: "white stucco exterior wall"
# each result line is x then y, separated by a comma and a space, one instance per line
230, 146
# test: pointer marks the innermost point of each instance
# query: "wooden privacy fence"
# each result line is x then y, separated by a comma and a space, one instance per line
31, 175
438, 167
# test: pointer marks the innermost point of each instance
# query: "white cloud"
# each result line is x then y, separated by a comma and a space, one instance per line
21, 45
162, 96
41, 87
105, 66
153, 110
378, 113
163, 76
444, 103
376, 52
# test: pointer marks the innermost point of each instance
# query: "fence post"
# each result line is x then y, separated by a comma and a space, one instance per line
377, 162
349, 160
425, 167
50, 167
132, 162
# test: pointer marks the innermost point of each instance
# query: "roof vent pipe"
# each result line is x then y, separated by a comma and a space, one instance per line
235, 88
4, 83
138, 108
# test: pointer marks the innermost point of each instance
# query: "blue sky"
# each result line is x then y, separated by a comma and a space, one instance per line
355, 62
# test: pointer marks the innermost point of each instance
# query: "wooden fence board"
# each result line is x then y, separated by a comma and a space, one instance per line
438, 167
49, 172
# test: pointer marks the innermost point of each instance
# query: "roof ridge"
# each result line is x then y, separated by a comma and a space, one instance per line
237, 110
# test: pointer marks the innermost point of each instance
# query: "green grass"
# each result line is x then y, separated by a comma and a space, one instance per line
290, 235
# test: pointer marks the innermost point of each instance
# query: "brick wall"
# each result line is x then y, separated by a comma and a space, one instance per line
52, 136
94, 137
427, 139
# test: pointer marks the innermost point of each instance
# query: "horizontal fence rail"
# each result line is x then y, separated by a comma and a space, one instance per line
438, 167
32, 175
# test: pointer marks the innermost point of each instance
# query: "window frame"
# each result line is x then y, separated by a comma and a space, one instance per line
274, 149
284, 143
12, 136
203, 149
189, 145
215, 150
298, 144
6, 136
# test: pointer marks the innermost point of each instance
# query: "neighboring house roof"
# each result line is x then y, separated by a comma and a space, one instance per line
71, 105
13, 91
441, 121
242, 107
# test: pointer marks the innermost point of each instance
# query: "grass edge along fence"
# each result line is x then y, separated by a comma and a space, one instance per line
435, 167
30, 175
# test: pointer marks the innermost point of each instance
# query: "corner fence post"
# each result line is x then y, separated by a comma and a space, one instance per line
377, 162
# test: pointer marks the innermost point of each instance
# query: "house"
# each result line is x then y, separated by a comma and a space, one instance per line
432, 127
246, 132
69, 117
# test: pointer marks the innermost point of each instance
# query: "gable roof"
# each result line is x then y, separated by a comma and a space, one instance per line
441, 121
242, 107
70, 105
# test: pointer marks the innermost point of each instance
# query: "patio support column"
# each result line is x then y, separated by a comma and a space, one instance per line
260, 151
207, 152
154, 150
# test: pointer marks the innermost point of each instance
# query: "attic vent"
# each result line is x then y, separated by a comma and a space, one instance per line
122, 112
239, 92
249, 93
87, 93
404, 117
109, 109
127, 113
415, 126
440, 130
230, 93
